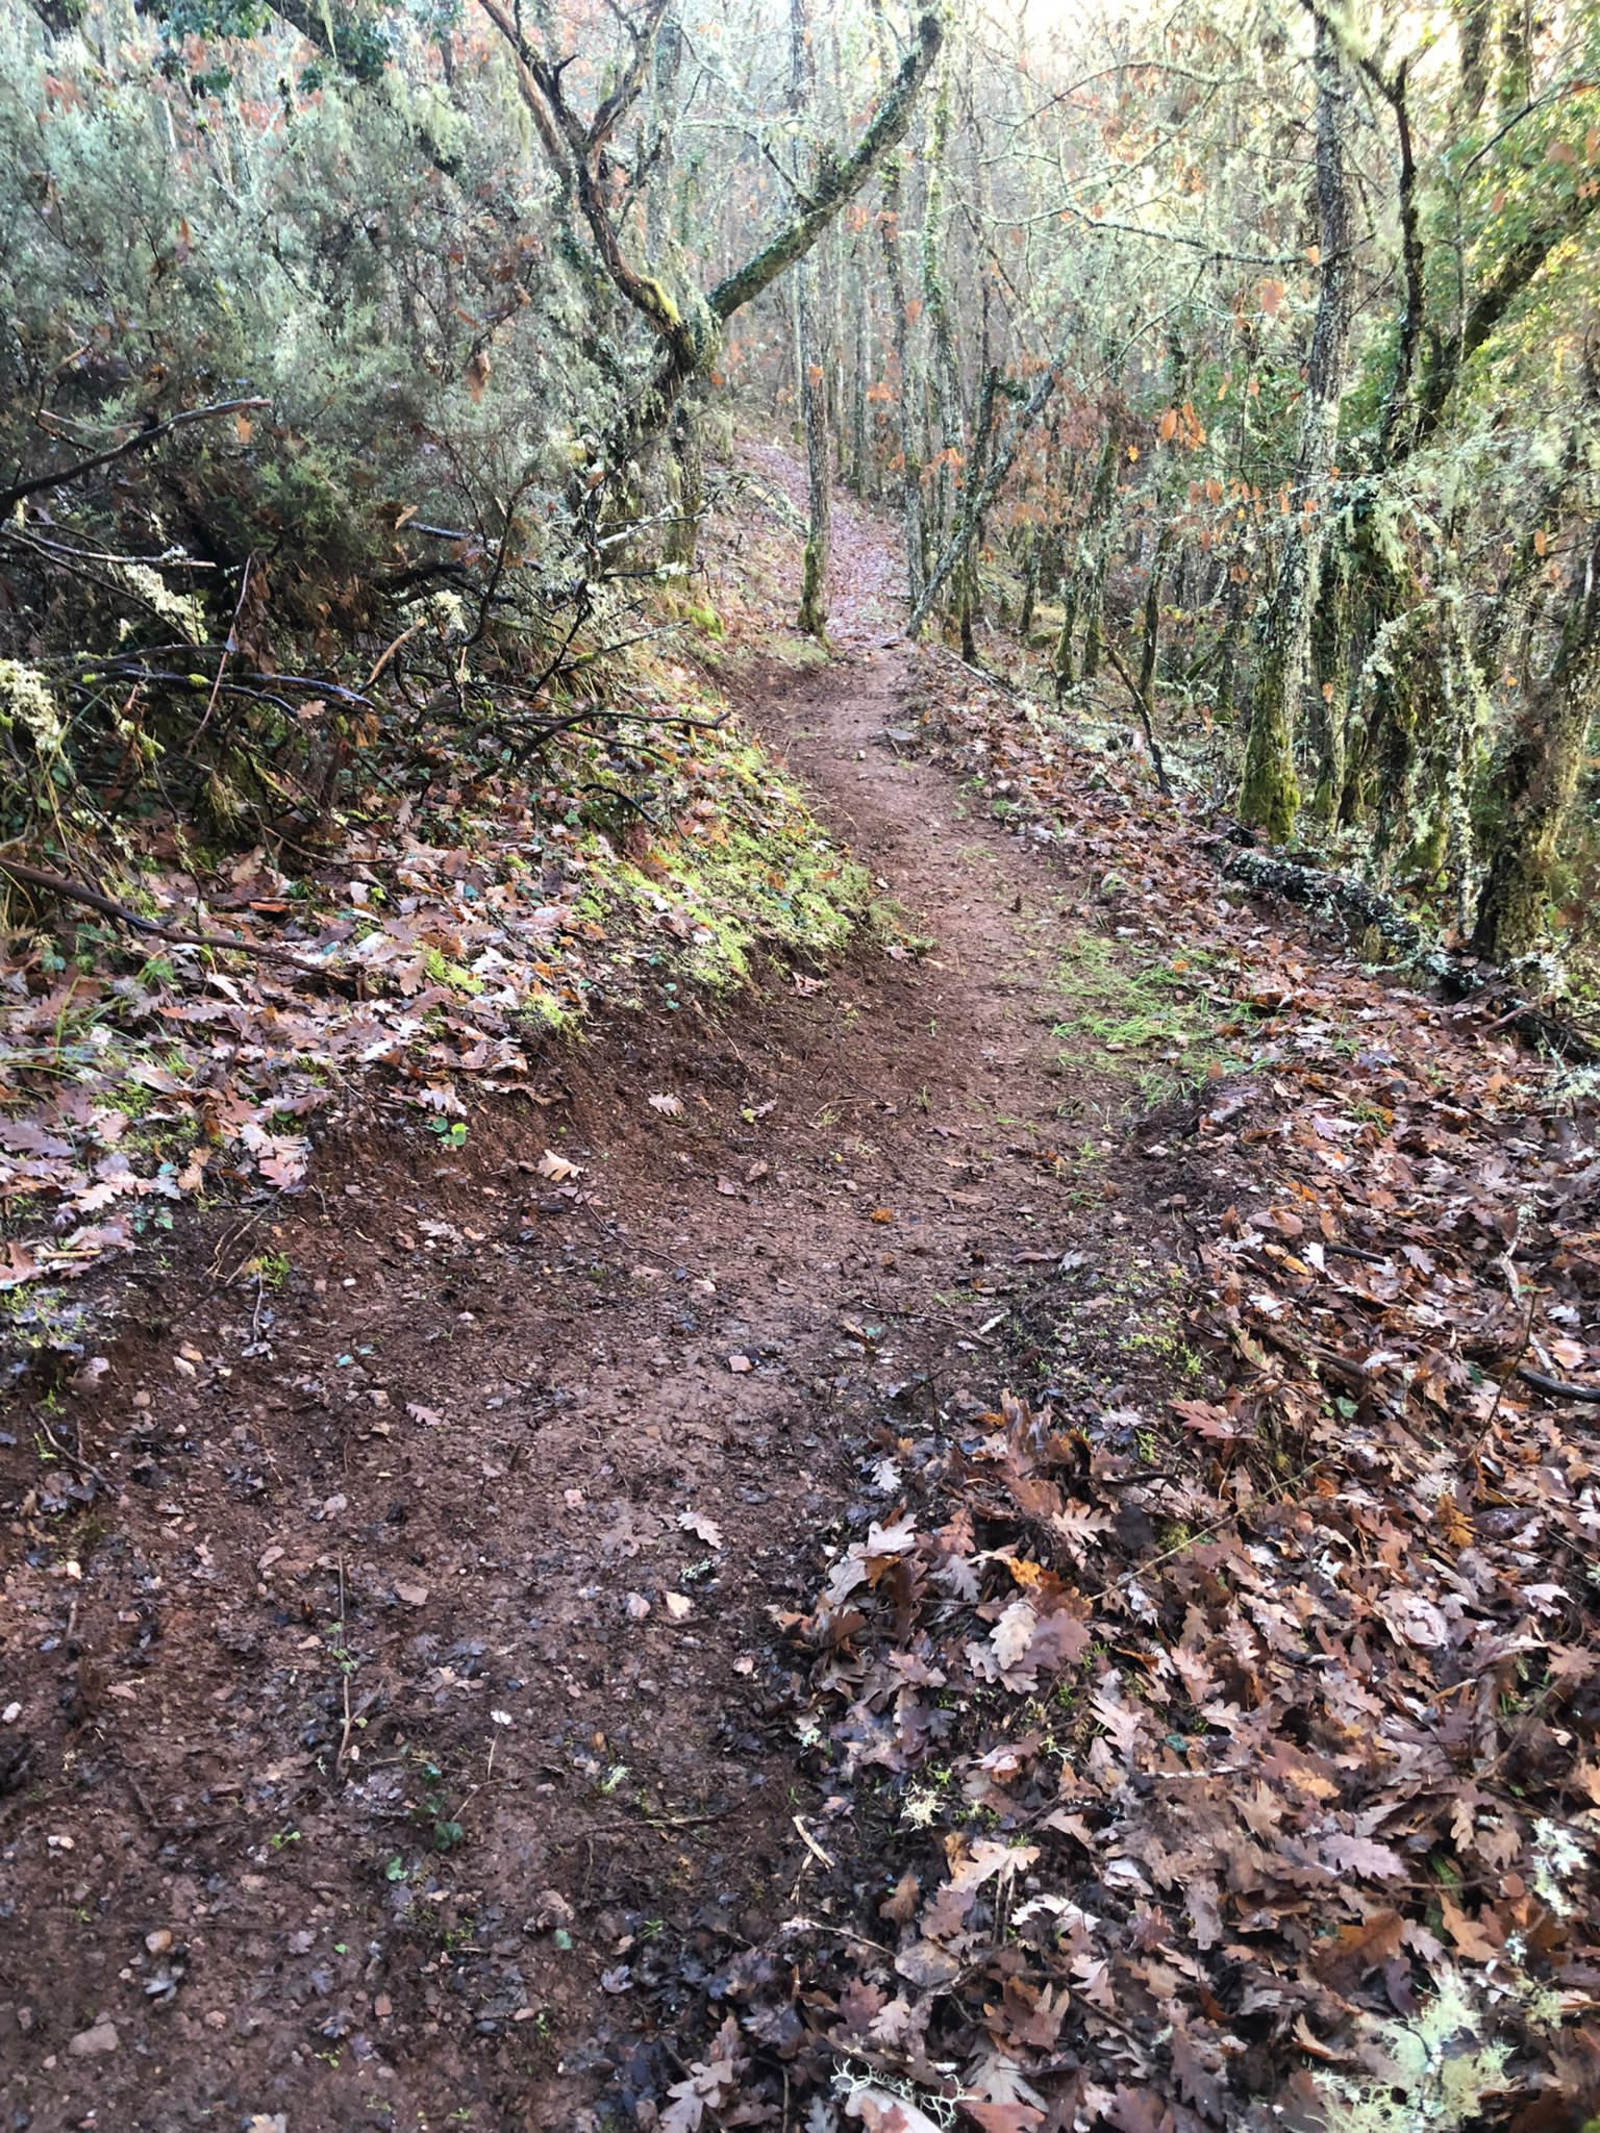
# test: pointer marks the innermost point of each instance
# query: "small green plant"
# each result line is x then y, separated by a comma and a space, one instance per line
272, 1270
450, 1132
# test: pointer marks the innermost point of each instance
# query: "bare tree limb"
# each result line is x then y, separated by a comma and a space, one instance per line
10, 498
77, 892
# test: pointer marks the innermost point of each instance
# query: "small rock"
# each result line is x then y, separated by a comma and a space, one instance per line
678, 1605
739, 1364
552, 1909
88, 2042
159, 1941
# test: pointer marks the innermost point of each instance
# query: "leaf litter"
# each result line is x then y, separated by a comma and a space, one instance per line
1234, 1759
1214, 1746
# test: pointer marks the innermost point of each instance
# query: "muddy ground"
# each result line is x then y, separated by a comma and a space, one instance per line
394, 1713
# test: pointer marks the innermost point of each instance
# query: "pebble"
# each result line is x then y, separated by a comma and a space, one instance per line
102, 2038
159, 1941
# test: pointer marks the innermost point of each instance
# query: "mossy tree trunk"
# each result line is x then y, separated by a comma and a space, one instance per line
688, 452
1540, 780
1150, 651
813, 614
1330, 706
1086, 580
912, 532
810, 374
950, 442
1269, 795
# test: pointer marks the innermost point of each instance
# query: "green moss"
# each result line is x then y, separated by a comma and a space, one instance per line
1153, 1028
548, 1012
724, 896
451, 974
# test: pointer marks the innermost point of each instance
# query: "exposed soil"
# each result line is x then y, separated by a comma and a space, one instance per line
389, 1638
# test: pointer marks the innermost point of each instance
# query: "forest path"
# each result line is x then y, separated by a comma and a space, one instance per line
453, 1744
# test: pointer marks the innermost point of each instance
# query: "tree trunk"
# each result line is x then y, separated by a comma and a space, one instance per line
1086, 579
951, 445
913, 535
1269, 796
1152, 609
1540, 780
689, 458
810, 375
1330, 706
980, 498
813, 615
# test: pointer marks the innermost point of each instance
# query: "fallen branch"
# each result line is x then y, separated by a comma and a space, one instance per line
136, 443
79, 893
1556, 1387
1461, 977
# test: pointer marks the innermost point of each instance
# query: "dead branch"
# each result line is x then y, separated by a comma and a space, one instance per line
78, 892
13, 496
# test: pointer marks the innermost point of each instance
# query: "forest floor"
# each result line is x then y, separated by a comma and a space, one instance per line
405, 1735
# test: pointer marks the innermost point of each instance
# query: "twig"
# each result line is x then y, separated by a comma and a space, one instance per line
9, 498
344, 1677
1556, 1387
73, 1458
389, 651
227, 650
1143, 710
810, 1842
659, 1823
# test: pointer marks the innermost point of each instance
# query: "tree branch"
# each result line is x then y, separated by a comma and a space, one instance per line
10, 498
840, 181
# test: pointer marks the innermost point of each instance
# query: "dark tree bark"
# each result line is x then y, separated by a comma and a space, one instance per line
1086, 579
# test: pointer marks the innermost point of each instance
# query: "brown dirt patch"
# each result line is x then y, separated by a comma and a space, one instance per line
389, 1632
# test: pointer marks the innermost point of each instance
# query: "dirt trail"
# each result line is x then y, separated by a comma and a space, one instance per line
412, 1716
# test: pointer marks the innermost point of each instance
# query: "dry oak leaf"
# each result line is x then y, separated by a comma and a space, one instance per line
556, 1167
1353, 1951
1468, 1935
1363, 1856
